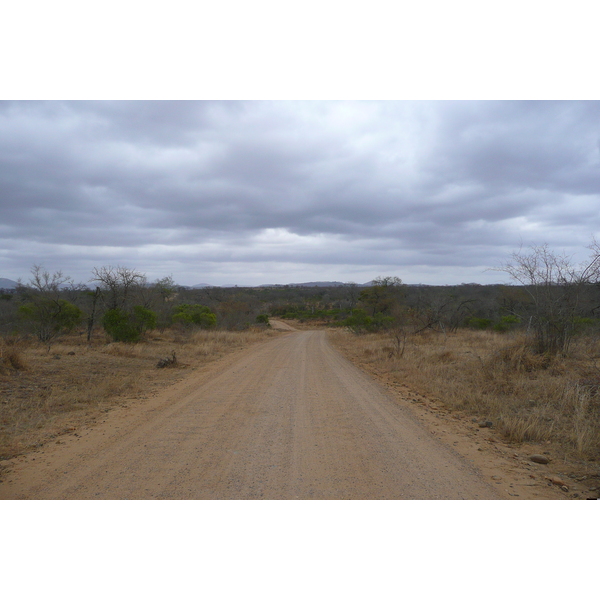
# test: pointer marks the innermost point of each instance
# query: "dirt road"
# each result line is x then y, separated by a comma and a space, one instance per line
289, 419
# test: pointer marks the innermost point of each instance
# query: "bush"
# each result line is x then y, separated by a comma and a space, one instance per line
581, 324
506, 323
128, 327
195, 314
50, 318
263, 319
117, 324
359, 321
144, 318
478, 323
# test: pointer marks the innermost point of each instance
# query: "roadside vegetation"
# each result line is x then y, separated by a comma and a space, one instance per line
524, 357
497, 380
69, 352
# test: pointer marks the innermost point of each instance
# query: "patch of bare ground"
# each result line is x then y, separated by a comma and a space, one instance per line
498, 404
298, 325
48, 393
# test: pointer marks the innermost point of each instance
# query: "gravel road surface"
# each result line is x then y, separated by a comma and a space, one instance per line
287, 419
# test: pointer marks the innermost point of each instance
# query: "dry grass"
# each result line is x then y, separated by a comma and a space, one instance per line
498, 378
44, 393
11, 356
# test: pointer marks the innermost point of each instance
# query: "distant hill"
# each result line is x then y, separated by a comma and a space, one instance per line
309, 284
7, 284
318, 284
201, 285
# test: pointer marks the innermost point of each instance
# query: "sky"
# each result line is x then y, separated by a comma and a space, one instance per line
258, 192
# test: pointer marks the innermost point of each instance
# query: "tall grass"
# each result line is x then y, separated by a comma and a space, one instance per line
528, 397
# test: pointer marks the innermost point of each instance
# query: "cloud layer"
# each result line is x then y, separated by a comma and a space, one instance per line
263, 192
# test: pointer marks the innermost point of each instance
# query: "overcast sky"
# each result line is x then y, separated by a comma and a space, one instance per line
257, 192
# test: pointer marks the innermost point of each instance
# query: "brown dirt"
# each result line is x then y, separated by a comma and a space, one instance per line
281, 325
287, 419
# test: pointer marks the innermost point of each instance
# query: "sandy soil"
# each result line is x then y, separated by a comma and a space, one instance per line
288, 419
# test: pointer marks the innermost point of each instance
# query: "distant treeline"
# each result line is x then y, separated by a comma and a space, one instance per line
551, 299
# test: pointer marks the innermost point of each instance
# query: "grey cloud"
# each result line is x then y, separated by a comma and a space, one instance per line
444, 183
521, 144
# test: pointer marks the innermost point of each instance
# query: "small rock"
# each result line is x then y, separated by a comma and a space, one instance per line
485, 424
71, 353
56, 357
539, 458
559, 482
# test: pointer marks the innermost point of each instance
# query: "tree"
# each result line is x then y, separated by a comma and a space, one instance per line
159, 297
555, 287
383, 295
118, 284
441, 310
44, 309
50, 317
353, 293
92, 298
165, 288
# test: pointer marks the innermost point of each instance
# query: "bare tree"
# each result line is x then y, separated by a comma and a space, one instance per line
441, 313
118, 282
555, 286
45, 310
45, 282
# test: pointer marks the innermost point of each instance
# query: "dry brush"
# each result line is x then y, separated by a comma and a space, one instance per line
496, 377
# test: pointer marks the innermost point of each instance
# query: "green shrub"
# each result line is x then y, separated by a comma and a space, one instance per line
195, 314
144, 319
506, 323
118, 324
478, 323
49, 317
125, 326
359, 320
263, 319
